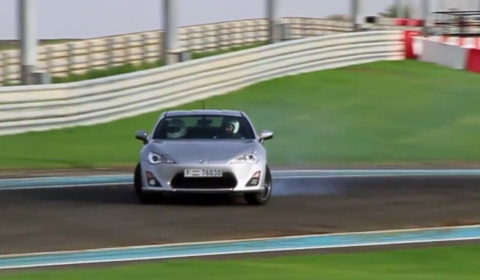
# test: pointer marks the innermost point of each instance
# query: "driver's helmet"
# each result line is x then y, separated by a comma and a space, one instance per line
176, 128
232, 124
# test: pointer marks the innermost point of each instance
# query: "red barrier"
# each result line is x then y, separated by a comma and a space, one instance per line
473, 61
408, 43
409, 22
415, 22
401, 22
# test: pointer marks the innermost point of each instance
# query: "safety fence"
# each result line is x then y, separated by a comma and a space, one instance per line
44, 107
100, 53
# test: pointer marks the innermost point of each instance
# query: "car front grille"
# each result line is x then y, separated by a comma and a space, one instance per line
227, 181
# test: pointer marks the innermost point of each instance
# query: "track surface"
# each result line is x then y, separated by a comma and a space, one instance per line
93, 217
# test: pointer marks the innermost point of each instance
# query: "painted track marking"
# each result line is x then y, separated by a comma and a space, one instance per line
229, 247
124, 179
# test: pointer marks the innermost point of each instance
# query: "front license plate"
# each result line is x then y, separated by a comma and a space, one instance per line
203, 173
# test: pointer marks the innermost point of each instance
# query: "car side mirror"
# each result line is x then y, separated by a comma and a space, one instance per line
142, 135
266, 135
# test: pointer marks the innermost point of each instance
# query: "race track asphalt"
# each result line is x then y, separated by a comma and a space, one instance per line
94, 217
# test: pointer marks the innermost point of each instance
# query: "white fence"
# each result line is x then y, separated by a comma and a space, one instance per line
81, 56
36, 108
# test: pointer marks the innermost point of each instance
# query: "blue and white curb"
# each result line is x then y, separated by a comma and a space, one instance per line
53, 182
124, 179
291, 243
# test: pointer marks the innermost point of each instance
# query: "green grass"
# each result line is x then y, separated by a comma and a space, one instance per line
387, 112
441, 263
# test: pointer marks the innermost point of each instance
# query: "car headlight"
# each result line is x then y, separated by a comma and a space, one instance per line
154, 158
248, 159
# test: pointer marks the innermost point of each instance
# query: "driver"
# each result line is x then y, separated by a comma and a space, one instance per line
176, 129
230, 129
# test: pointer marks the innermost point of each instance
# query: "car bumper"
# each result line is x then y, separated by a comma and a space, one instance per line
237, 178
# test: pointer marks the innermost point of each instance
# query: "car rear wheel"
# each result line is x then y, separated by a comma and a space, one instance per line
263, 197
143, 196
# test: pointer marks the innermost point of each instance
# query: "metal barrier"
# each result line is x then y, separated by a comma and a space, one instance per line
100, 53
44, 107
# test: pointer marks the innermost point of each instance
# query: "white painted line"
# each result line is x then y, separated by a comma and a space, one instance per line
60, 186
293, 177
319, 172
375, 170
362, 176
61, 177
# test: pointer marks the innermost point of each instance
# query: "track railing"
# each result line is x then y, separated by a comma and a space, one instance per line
44, 107
100, 53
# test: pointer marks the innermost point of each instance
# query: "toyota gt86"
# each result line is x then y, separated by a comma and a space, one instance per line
204, 151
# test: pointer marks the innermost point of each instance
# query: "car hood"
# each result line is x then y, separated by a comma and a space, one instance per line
212, 150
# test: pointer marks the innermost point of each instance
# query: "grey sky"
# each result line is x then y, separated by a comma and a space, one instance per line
94, 18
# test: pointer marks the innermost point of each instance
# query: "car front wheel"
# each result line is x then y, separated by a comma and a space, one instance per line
263, 197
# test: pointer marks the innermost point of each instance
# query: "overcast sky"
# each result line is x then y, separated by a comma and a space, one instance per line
94, 18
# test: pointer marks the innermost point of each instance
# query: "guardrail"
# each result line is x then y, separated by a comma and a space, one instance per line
44, 107
99, 53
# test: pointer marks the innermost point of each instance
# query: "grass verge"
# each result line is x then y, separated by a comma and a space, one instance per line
380, 113
460, 262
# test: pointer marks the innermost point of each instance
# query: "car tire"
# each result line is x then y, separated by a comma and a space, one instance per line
262, 198
143, 196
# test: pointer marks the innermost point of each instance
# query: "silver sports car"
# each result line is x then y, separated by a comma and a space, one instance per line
204, 151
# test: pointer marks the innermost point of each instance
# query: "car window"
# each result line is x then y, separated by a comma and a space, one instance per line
203, 127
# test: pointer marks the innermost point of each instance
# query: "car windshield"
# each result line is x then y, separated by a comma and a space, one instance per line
203, 127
